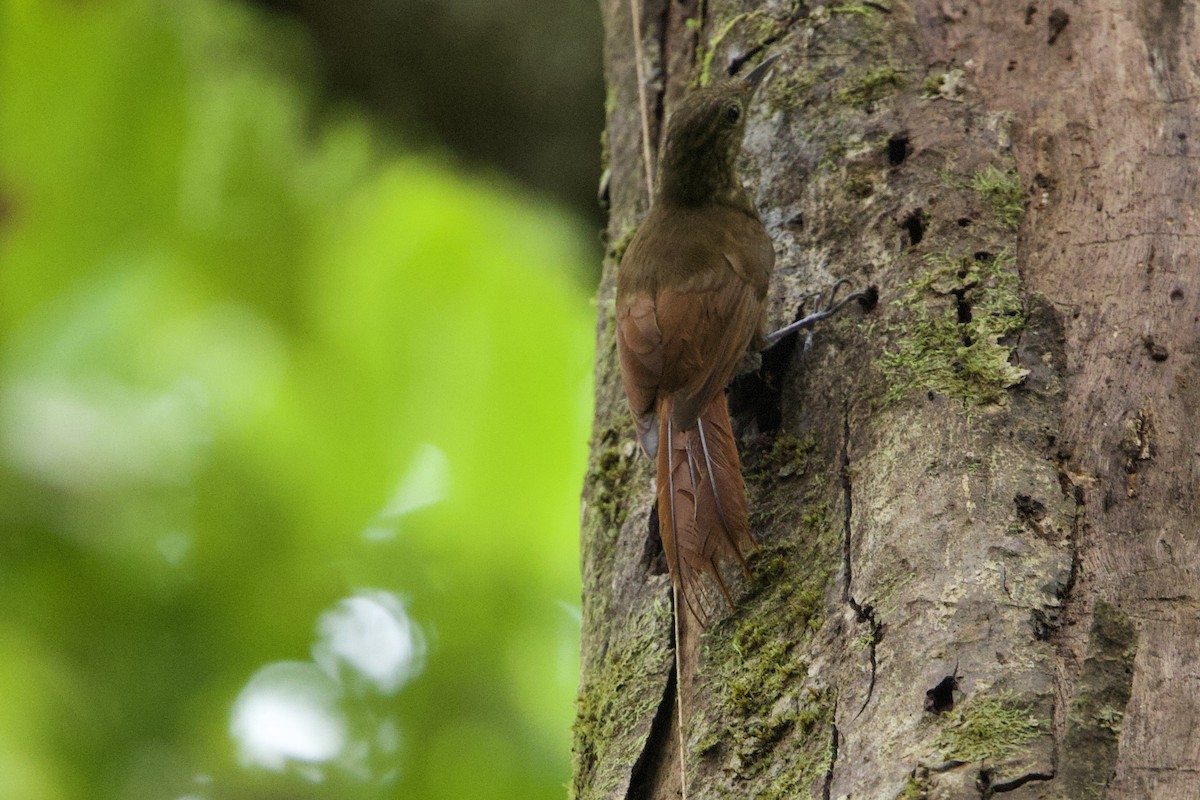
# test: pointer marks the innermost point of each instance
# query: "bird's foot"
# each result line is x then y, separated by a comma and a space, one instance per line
866, 297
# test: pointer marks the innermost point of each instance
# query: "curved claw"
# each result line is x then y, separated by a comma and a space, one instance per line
832, 307
815, 297
833, 290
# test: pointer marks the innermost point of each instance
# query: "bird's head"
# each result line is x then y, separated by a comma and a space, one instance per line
704, 135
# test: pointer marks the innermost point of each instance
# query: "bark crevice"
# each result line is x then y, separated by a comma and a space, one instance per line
847, 512
645, 772
1016, 783
827, 785
863, 613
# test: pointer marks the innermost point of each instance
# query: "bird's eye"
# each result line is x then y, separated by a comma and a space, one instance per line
733, 112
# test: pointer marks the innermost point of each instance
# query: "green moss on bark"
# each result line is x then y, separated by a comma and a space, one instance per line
870, 86
755, 673
1002, 193
916, 785
959, 311
615, 706
614, 464
988, 727
755, 26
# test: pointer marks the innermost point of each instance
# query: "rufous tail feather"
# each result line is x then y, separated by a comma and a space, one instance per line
701, 500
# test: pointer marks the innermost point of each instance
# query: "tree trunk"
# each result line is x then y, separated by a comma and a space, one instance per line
977, 504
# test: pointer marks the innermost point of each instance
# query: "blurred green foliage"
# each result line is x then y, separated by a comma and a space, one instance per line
256, 368
516, 84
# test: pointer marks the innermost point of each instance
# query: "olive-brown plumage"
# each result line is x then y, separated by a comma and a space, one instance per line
691, 295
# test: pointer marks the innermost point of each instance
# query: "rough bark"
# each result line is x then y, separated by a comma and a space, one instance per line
977, 503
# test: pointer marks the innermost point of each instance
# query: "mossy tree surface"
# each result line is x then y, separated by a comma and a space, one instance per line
977, 502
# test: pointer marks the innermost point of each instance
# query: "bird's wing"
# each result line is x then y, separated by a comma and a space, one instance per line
640, 351
709, 318
707, 323
686, 334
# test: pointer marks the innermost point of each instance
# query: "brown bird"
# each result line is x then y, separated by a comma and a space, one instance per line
691, 298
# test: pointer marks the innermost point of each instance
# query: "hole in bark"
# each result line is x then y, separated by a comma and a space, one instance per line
1157, 351
1029, 509
897, 148
914, 226
1055, 24
983, 782
1011, 66
982, 255
1030, 10
1043, 624
940, 698
759, 394
962, 307
870, 298
1064, 480
964, 222
653, 556
1176, 295
797, 222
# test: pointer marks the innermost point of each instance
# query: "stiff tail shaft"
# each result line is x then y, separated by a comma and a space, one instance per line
701, 500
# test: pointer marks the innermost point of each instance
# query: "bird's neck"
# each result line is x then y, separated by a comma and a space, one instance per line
694, 178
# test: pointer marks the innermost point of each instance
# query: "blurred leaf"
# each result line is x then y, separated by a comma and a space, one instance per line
253, 364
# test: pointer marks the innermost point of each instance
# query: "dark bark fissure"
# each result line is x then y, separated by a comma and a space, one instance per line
863, 613
827, 786
847, 510
990, 789
1071, 611
866, 614
651, 760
